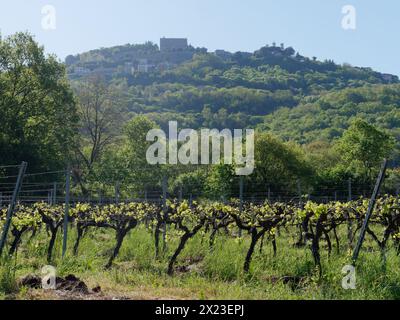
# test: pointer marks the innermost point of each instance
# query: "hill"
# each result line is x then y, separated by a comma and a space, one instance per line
326, 117
235, 90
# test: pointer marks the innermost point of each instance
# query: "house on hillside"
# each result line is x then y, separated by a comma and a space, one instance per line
390, 78
81, 71
144, 66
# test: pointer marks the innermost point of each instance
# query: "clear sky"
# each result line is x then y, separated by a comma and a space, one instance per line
313, 27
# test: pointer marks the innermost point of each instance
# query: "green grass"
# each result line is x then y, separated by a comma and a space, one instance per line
214, 274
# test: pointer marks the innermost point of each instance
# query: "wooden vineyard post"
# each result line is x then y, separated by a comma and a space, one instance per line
66, 212
165, 210
350, 196
299, 193
180, 194
350, 223
54, 193
369, 211
100, 197
11, 207
241, 200
117, 195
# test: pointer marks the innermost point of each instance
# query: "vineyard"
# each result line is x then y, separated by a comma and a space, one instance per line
318, 230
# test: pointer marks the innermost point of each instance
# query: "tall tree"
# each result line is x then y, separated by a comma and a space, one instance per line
37, 108
100, 111
136, 146
279, 164
363, 148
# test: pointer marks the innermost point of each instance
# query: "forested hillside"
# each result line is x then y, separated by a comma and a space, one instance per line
234, 90
327, 116
318, 123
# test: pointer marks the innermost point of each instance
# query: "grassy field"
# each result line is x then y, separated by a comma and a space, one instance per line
201, 273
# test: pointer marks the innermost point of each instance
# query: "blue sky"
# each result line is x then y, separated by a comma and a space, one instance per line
313, 27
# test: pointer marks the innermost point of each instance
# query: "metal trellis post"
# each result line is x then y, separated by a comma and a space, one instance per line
349, 190
241, 200
54, 193
180, 194
370, 210
11, 208
117, 192
164, 190
66, 212
299, 192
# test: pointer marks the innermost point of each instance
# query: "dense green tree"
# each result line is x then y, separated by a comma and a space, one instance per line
279, 165
37, 108
135, 148
363, 148
190, 183
219, 182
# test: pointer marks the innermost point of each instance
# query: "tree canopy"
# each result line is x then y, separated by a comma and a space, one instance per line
37, 106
